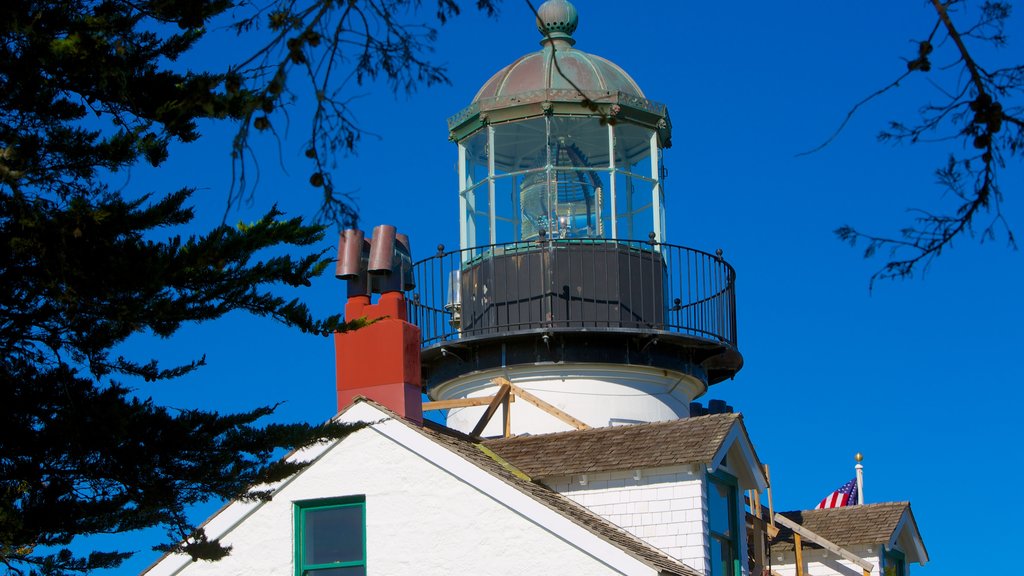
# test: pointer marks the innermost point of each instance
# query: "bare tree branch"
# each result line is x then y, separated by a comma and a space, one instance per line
316, 45
985, 114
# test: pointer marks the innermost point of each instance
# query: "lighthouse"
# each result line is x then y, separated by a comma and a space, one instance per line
565, 284
566, 309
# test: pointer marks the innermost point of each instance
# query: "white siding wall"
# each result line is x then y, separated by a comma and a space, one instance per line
667, 507
819, 562
420, 521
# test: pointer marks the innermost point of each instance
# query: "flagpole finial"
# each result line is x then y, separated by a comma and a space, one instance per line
860, 478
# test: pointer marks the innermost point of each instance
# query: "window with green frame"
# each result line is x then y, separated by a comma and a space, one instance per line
723, 535
895, 563
330, 537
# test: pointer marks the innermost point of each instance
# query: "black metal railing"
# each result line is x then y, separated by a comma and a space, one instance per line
565, 284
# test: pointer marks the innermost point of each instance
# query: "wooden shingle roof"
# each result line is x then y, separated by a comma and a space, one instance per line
687, 441
846, 526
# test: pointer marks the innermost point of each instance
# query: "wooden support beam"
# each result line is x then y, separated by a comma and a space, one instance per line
546, 407
771, 506
496, 403
798, 545
768, 528
506, 414
460, 403
799, 531
757, 543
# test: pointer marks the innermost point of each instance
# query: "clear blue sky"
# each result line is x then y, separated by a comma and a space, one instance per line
922, 376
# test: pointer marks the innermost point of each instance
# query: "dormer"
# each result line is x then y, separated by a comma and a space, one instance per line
884, 535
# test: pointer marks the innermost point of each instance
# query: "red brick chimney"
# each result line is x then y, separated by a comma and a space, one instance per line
380, 361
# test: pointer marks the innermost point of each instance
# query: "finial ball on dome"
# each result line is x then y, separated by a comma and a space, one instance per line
557, 19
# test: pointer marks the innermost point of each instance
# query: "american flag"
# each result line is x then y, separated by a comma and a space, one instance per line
846, 495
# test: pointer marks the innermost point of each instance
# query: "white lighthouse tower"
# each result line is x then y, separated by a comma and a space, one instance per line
564, 284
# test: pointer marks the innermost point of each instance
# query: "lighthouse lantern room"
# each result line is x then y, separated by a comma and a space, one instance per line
563, 284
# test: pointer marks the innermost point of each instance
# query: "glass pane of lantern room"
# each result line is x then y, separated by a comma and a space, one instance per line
519, 146
506, 206
519, 152
477, 216
475, 168
473, 173
634, 183
577, 182
633, 209
633, 149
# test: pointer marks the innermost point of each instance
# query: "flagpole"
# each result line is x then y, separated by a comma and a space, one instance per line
860, 478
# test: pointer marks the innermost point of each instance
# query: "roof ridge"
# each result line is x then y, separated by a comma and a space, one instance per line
853, 507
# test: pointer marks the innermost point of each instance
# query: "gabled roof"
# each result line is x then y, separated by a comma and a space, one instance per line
888, 524
457, 447
698, 440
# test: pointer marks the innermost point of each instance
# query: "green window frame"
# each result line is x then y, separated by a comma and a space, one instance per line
894, 563
723, 524
330, 537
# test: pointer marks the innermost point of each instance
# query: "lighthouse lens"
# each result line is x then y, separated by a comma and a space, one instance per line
567, 198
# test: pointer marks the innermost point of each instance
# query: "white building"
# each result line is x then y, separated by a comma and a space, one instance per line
566, 310
664, 498
399, 498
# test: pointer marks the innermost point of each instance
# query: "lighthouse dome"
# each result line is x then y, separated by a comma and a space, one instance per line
561, 80
558, 65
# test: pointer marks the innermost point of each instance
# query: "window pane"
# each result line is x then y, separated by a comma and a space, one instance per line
506, 207
895, 563
586, 138
478, 215
343, 571
633, 149
721, 557
720, 508
476, 158
536, 204
633, 210
334, 535
520, 145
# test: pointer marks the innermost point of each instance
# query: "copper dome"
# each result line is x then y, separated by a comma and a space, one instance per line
559, 66
575, 70
560, 80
